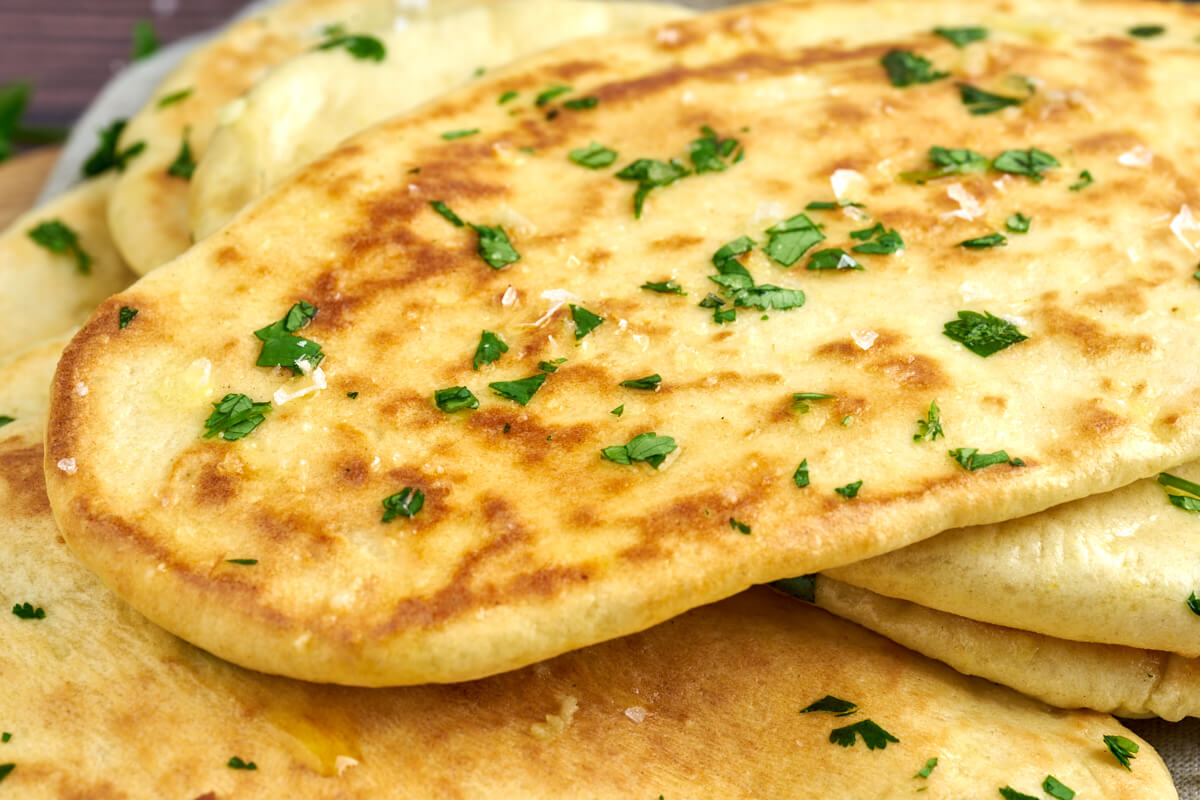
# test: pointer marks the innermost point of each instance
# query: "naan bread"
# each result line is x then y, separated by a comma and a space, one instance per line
307, 105
25, 379
530, 543
45, 293
100, 702
1116, 568
1125, 681
148, 213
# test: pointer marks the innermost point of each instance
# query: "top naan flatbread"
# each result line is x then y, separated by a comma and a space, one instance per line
529, 543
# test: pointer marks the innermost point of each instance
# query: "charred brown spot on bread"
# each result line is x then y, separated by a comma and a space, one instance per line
228, 256
353, 471
1128, 297
533, 440
1095, 423
215, 487
1089, 336
997, 402
21, 469
676, 241
911, 371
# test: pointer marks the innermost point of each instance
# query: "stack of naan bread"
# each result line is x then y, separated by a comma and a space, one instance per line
890, 303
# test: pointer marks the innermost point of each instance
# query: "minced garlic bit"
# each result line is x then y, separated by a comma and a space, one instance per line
318, 383
556, 723
68, 466
510, 297
343, 763
846, 182
558, 298
968, 207
636, 713
1137, 157
864, 339
81, 389
1185, 221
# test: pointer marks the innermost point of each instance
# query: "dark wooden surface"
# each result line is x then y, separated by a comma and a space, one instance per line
69, 48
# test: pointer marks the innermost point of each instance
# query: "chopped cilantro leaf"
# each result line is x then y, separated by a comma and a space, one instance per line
618, 411
594, 156
521, 391
867, 233
1180, 501
184, 164
648, 383
800, 476
352, 395
708, 153
455, 398
969, 458
235, 416
585, 321
832, 258
6, 420
873, 736
1009, 793
1031, 162
930, 428
791, 239
961, 37
738, 526
826, 205
362, 47
850, 490
651, 174
887, 243
489, 349
58, 238
125, 316
549, 94
725, 259
766, 296
460, 134
494, 246
551, 366
27, 611
5, 769
237, 763
802, 588
649, 448
1085, 180
979, 102
582, 103
800, 400
106, 156
831, 704
175, 97
983, 334
1123, 750
446, 213
242, 562
145, 40
5, 737
983, 242
1193, 603
948, 161
663, 287
404, 503
1147, 31
507, 97
1057, 789
280, 348
724, 315
905, 68
711, 301
1018, 223
927, 770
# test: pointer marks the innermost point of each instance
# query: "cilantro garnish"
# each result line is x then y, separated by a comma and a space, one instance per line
803, 587
362, 47
242, 562
825, 205
948, 161
489, 349
905, 68
725, 259
237, 763
494, 246
5, 769
1085, 180
724, 315
930, 428
850, 490
1123, 750
1147, 31
352, 395
460, 134
404, 503
455, 398
832, 258
184, 164
927, 770
648, 383
507, 97
5, 737
663, 287
145, 40
125, 316
873, 736
551, 93
649, 448
651, 174
800, 400
1057, 789
27, 611
1193, 603
983, 334
969, 458
961, 37
1167, 480
1009, 793
594, 156
978, 101
281, 348
618, 411
708, 153
711, 301
446, 213
6, 420
521, 391
1018, 223
585, 321
58, 238
886, 243
14, 97
106, 156
766, 296
800, 476
791, 239
834, 705
582, 103
235, 416
738, 526
983, 242
551, 366
175, 97
1031, 162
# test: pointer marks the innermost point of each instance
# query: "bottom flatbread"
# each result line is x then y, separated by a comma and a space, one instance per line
102, 703
1125, 681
